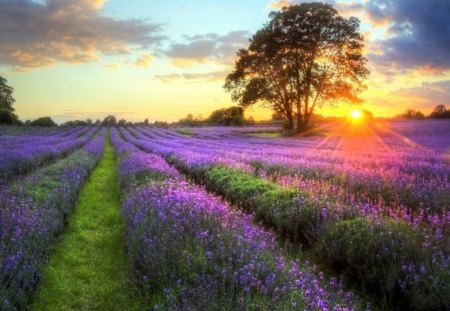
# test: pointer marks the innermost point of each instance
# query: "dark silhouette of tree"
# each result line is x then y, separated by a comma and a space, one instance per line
146, 122
190, 120
440, 112
306, 56
6, 98
7, 115
122, 122
367, 115
109, 121
411, 114
43, 121
227, 116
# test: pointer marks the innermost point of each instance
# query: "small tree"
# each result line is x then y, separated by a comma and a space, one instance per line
122, 122
306, 56
227, 116
109, 121
43, 121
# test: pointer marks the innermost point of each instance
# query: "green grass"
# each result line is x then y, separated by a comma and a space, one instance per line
88, 269
266, 134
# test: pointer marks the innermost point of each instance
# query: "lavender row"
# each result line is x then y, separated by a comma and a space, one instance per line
22, 158
417, 191
197, 253
32, 212
10, 141
321, 222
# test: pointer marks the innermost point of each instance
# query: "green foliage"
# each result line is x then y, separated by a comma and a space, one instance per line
304, 57
293, 214
385, 258
87, 122
8, 117
238, 187
227, 116
43, 121
6, 99
190, 120
109, 121
89, 267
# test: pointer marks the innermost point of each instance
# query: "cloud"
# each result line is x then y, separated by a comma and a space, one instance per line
143, 61
419, 33
207, 47
429, 95
112, 66
38, 35
194, 77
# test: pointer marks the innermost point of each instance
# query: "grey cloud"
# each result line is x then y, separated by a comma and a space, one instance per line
420, 32
36, 35
209, 47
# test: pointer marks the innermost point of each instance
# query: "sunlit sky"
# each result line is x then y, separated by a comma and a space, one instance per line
161, 60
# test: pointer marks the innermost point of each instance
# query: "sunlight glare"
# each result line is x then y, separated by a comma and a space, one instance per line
356, 114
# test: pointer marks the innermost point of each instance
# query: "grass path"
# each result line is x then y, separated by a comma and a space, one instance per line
88, 269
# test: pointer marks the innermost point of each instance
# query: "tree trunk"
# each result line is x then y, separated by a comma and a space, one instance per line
303, 123
290, 127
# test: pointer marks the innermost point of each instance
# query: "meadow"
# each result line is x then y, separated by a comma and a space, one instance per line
355, 216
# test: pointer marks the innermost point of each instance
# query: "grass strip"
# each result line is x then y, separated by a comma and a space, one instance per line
88, 269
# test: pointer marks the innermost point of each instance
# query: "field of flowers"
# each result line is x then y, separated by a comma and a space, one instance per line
35, 206
371, 203
227, 219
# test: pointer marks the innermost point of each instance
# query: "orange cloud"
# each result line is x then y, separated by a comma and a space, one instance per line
143, 61
37, 35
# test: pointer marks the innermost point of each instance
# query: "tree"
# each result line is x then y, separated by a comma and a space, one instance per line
190, 120
306, 56
367, 115
227, 116
43, 121
122, 122
6, 99
7, 115
440, 112
411, 114
109, 121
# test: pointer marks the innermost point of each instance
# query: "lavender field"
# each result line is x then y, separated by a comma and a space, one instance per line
354, 217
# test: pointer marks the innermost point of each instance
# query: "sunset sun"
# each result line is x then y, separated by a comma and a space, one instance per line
356, 114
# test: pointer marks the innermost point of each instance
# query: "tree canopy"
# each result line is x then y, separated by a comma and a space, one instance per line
109, 121
43, 121
227, 116
440, 112
306, 56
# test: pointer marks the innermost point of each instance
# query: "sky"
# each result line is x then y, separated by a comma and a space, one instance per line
162, 60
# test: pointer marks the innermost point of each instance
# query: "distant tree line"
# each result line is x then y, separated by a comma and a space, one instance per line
231, 116
439, 112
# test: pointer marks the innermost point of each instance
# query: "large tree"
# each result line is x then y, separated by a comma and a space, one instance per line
306, 56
